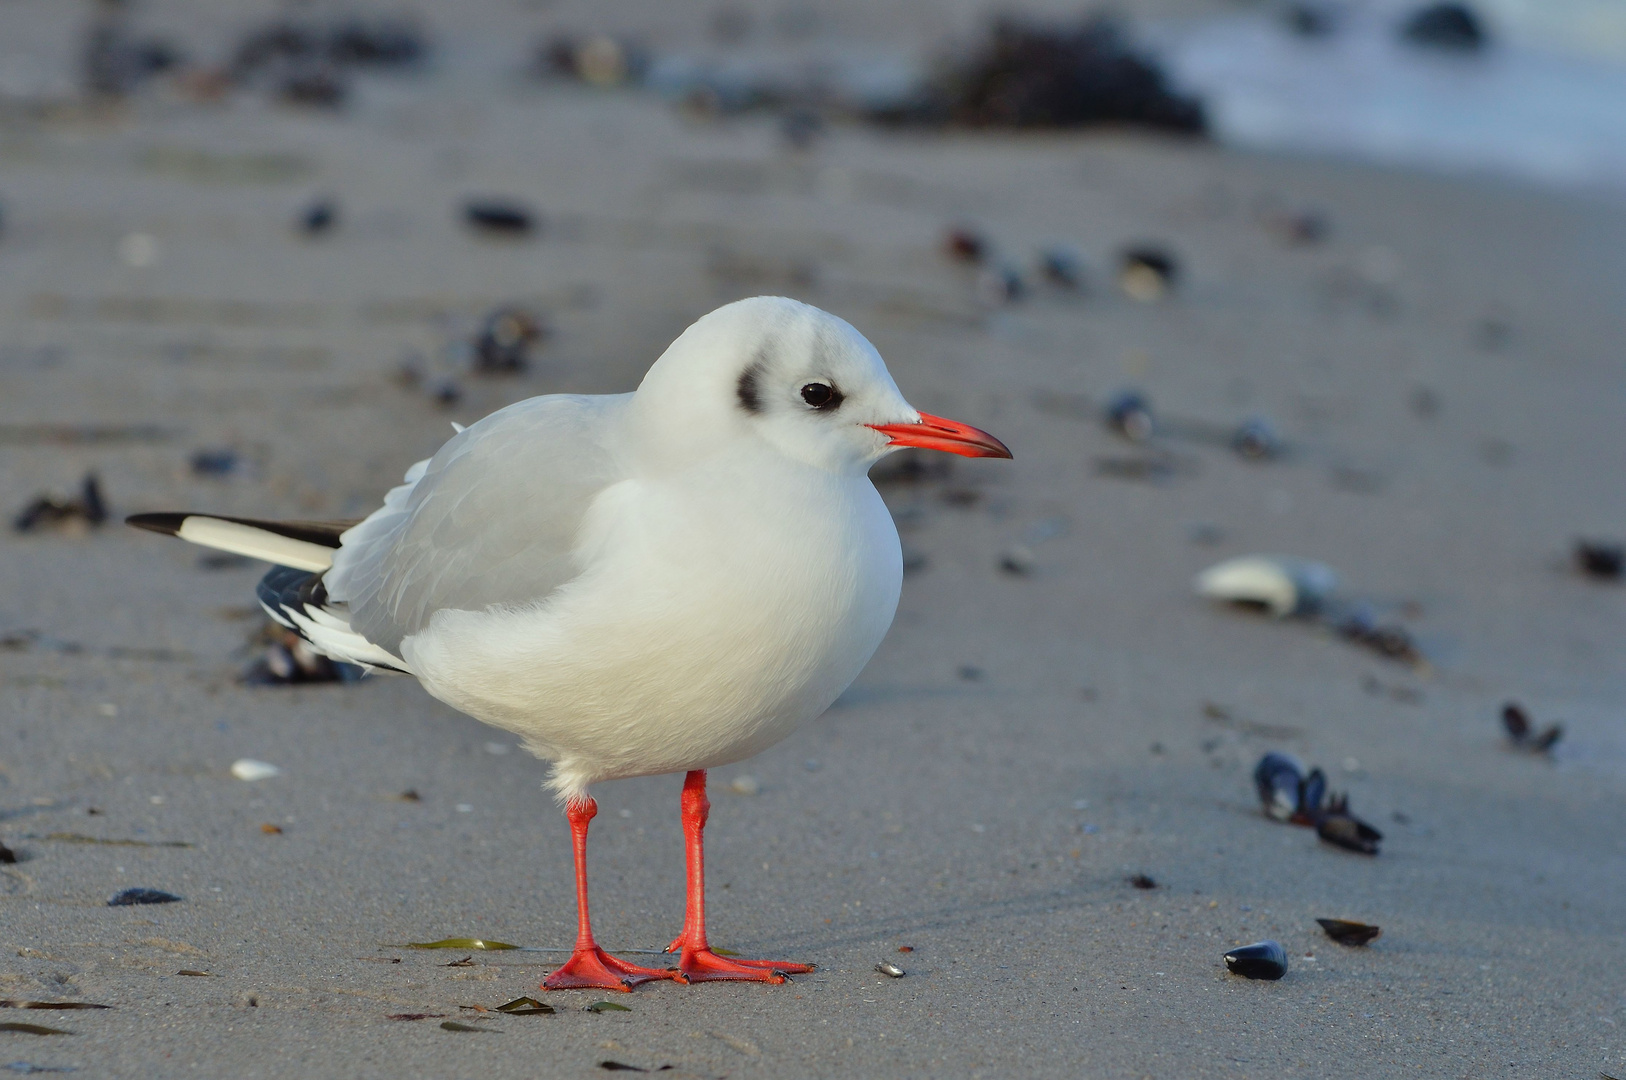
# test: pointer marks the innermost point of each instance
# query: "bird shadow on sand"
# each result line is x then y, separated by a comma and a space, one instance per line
945, 917
860, 696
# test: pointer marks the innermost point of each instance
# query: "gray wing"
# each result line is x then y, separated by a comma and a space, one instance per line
491, 519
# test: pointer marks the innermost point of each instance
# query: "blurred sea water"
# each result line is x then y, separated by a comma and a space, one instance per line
1544, 101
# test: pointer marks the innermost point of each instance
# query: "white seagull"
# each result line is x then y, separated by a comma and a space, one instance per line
663, 581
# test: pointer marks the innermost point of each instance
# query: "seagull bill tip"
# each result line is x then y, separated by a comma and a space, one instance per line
951, 436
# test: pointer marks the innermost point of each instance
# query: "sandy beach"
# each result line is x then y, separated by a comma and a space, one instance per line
1444, 370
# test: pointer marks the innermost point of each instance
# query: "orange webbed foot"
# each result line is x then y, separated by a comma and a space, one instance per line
593, 968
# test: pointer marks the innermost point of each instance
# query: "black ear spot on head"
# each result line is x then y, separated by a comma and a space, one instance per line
748, 390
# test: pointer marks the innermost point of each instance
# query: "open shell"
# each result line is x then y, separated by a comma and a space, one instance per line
1280, 584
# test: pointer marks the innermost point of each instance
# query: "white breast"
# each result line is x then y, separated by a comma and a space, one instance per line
716, 612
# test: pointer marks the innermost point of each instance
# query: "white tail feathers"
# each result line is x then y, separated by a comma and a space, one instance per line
256, 543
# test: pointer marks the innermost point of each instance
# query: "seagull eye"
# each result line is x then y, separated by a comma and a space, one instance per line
821, 395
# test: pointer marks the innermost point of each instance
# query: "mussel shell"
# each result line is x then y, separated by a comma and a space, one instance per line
1255, 440
1264, 960
1312, 794
1130, 415
1348, 832
1349, 933
1279, 782
1280, 584
1516, 721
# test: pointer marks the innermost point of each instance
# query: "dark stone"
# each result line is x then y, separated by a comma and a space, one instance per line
965, 245
214, 462
1600, 559
319, 217
1061, 268
498, 217
1265, 960
1309, 19
1449, 26
141, 896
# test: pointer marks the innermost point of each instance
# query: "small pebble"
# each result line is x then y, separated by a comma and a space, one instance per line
1129, 414
1146, 273
891, 971
221, 462
999, 285
498, 217
745, 785
1062, 267
1450, 26
800, 128
1600, 559
1017, 560
249, 769
141, 896
1255, 440
965, 245
318, 218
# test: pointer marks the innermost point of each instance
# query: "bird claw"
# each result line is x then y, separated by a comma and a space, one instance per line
593, 968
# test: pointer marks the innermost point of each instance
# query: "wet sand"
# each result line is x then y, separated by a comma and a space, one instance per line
1444, 369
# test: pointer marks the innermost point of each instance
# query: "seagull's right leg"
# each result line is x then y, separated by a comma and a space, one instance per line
589, 965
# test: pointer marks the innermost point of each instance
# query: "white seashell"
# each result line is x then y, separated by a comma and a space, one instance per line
744, 785
249, 769
1281, 584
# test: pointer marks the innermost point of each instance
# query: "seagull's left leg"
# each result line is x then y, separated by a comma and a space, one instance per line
589, 965
698, 963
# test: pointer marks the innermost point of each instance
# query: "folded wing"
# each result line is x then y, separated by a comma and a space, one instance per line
491, 519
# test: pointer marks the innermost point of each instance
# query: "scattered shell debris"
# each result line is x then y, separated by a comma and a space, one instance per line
1289, 794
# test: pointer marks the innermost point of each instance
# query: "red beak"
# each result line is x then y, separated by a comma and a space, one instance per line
936, 433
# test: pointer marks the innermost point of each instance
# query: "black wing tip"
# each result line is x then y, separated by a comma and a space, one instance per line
168, 524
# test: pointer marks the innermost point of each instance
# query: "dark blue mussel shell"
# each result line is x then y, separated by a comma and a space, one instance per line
1279, 783
1264, 960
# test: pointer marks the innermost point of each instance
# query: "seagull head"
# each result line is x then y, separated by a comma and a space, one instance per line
796, 378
